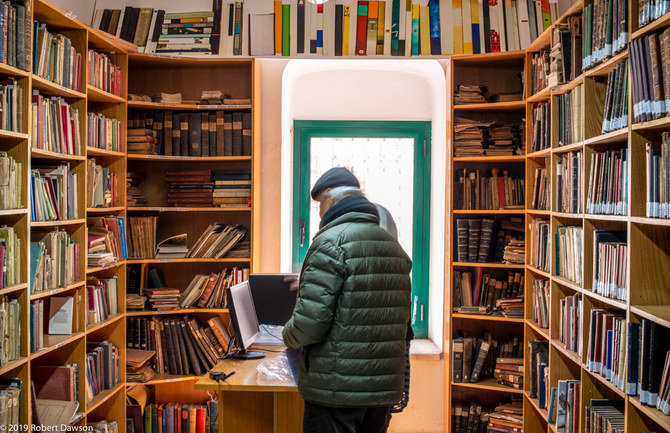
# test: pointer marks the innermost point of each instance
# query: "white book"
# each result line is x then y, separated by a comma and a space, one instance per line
510, 24
494, 25
147, 48
118, 28
538, 17
501, 24
402, 18
446, 28
226, 47
308, 24
293, 37
97, 18
60, 315
329, 28
353, 14
524, 25
482, 44
467, 27
388, 21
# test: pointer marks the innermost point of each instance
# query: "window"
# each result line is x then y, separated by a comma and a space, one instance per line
392, 162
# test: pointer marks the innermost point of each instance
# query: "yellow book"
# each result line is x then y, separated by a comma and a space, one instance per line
424, 30
380, 27
278, 27
345, 30
458, 26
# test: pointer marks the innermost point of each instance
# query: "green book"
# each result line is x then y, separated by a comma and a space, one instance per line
285, 29
147, 420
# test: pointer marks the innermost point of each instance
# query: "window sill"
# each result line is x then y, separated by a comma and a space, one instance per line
425, 350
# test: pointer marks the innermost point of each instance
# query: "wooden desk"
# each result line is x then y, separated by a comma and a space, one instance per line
248, 406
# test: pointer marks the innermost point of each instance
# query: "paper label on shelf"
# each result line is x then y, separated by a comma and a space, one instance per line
165, 104
213, 106
164, 260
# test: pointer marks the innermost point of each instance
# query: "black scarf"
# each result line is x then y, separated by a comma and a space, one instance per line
354, 203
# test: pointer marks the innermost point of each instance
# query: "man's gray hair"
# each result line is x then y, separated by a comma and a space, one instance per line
340, 192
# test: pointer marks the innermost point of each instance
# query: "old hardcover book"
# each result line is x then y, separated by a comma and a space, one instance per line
485, 241
194, 134
462, 227
157, 126
220, 331
211, 119
183, 135
237, 134
482, 351
54, 382
167, 132
220, 149
457, 361
204, 131
170, 350
193, 356
474, 229
468, 347
246, 133
228, 134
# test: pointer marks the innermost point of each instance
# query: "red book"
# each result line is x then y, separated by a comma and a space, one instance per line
54, 382
501, 192
200, 420
361, 28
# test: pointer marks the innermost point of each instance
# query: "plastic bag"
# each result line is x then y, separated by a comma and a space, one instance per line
274, 370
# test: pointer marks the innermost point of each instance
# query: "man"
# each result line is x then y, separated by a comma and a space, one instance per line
351, 315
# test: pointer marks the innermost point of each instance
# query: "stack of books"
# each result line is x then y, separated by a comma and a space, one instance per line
166, 98
45, 203
102, 295
616, 101
540, 189
541, 303
511, 307
103, 132
470, 418
568, 406
11, 95
178, 34
142, 141
541, 127
540, 245
55, 125
485, 292
540, 62
538, 357
566, 52
134, 195
470, 94
217, 240
163, 298
606, 27
570, 126
232, 188
515, 252
209, 291
173, 247
135, 302
473, 191
570, 255
54, 261
648, 344
103, 74
56, 59
474, 359
507, 418
138, 368
509, 371
650, 76
570, 182
658, 179
469, 137
484, 240
610, 271
103, 367
189, 188
503, 140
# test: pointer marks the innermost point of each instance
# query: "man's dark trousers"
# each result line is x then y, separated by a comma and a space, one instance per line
325, 419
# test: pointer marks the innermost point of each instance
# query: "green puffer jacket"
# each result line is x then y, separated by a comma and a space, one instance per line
351, 315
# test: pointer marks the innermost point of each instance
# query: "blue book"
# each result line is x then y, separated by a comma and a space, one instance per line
542, 388
395, 24
552, 405
608, 362
633, 354
434, 12
36, 250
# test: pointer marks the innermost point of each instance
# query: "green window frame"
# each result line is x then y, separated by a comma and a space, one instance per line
305, 130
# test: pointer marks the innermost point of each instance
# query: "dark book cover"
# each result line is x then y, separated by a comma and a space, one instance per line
20, 37
468, 347
246, 133
462, 227
482, 350
183, 135
125, 24
160, 16
485, 240
633, 351
199, 350
177, 344
113, 21
474, 229
104, 21
300, 45
157, 125
227, 134
211, 119
170, 349
54, 382
194, 134
167, 132
339, 17
189, 357
132, 25
237, 133
215, 39
457, 361
204, 137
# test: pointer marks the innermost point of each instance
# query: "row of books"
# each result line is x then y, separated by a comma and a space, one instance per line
10, 330
10, 402
570, 110
188, 188
479, 138
570, 323
469, 418
509, 372
610, 271
107, 242
102, 296
53, 193
194, 133
568, 406
176, 36
493, 192
173, 417
569, 254
570, 182
514, 252
608, 183
540, 138
474, 359
102, 187
657, 162
55, 58
540, 245
605, 30
606, 351
616, 99
134, 195
565, 55
11, 182
209, 291
16, 19
103, 74
605, 414
648, 363
182, 344
11, 97
482, 240
218, 240
55, 125
10, 253
650, 83
482, 294
102, 369
104, 132
54, 261
538, 357
541, 188
540, 68
650, 10
541, 296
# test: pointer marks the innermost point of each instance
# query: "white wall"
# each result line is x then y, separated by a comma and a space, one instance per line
360, 89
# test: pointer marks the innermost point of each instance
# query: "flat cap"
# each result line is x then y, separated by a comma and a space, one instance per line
336, 176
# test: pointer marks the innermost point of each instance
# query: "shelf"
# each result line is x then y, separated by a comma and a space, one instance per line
104, 268
552, 428
98, 95
177, 311
5, 69
490, 106
620, 135
540, 272
573, 356
622, 305
137, 157
602, 217
53, 16
102, 397
574, 216
607, 383
165, 378
188, 209
662, 123
606, 66
488, 265
13, 135
568, 147
493, 317
490, 212
47, 154
13, 288
94, 151
57, 223
47, 293
490, 57
656, 313
544, 153
567, 283
489, 385
192, 107
542, 331
105, 210
542, 95
653, 413
508, 158
54, 342
566, 87
651, 221
539, 212
193, 260
47, 87
657, 24
11, 365
113, 318
7, 212
535, 403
